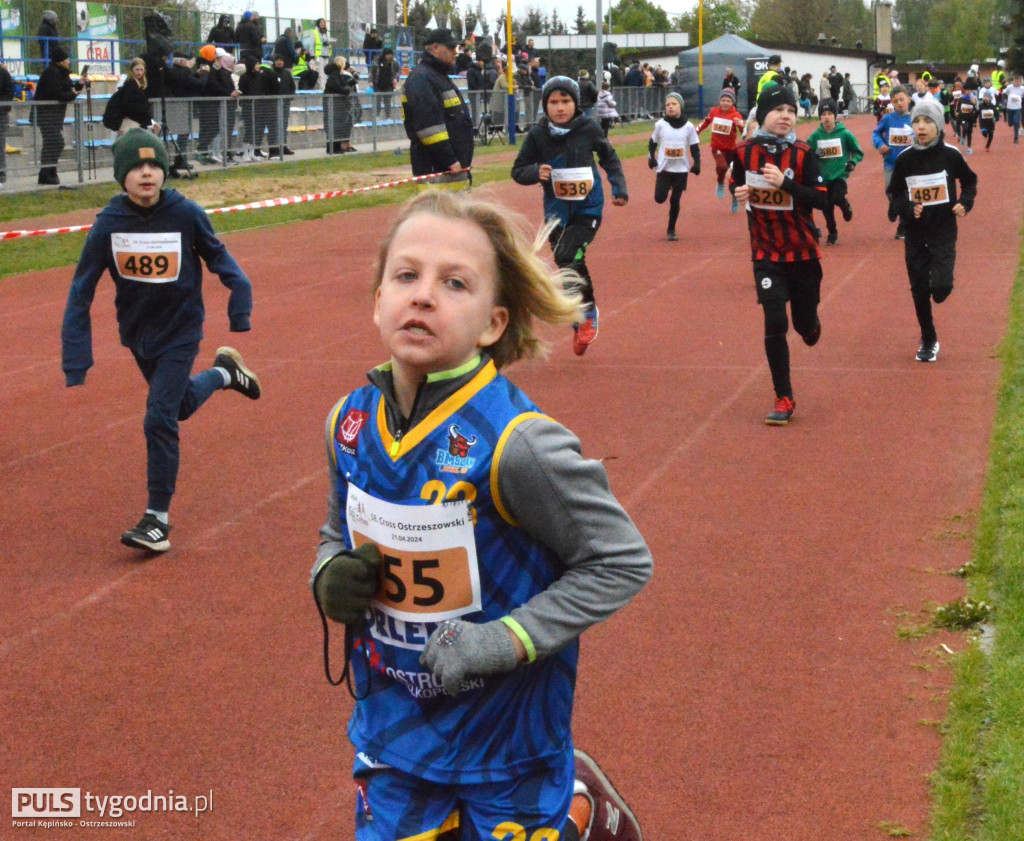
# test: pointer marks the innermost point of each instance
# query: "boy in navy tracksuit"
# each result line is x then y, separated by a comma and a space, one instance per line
923, 193
152, 241
559, 154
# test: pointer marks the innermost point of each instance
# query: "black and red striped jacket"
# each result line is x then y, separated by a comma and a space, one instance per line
789, 235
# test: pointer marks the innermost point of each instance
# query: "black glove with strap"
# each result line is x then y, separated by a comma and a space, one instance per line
345, 585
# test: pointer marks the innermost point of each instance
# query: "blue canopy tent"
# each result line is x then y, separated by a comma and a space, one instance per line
725, 51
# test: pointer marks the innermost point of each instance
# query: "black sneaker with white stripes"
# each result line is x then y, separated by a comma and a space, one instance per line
928, 352
149, 534
243, 380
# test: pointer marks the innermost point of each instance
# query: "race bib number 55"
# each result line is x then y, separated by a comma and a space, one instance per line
147, 258
429, 570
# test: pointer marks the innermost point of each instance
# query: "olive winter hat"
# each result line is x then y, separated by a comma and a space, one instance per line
137, 147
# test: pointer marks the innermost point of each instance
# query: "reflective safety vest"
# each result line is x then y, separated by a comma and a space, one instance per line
318, 43
301, 66
772, 77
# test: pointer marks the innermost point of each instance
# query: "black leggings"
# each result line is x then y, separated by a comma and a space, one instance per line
836, 198
930, 265
569, 246
670, 185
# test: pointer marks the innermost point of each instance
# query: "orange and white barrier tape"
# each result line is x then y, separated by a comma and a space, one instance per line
256, 205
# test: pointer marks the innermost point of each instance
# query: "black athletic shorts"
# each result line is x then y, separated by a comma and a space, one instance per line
788, 281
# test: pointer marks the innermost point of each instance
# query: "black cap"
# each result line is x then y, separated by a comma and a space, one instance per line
771, 98
828, 105
775, 59
444, 37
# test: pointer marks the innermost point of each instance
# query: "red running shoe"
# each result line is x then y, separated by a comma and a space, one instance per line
782, 412
585, 333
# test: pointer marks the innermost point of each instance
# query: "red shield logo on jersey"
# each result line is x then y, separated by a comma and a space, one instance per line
348, 430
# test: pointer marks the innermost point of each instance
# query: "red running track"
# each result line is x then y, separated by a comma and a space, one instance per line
757, 689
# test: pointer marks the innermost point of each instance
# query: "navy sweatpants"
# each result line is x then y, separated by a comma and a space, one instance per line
174, 395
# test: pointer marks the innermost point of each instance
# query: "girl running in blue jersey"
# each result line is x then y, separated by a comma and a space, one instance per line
462, 596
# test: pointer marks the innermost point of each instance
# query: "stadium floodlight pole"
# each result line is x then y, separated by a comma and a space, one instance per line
508, 72
700, 58
599, 29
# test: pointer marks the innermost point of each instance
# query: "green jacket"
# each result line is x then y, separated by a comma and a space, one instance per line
833, 167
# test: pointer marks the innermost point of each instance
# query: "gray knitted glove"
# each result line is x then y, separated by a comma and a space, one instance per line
458, 650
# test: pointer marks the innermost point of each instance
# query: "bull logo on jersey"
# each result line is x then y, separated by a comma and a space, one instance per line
347, 434
459, 444
456, 459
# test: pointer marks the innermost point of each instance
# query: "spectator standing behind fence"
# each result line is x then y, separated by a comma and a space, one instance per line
223, 35
824, 89
305, 76
849, 97
835, 83
371, 43
384, 76
319, 47
249, 37
220, 84
47, 35
285, 88
436, 118
53, 93
249, 88
476, 85
6, 95
524, 82
340, 96
588, 93
285, 47
499, 94
133, 100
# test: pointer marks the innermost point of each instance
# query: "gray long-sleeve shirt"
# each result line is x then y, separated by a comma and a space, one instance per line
560, 499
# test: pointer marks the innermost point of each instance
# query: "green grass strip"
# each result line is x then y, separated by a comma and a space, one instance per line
41, 253
978, 788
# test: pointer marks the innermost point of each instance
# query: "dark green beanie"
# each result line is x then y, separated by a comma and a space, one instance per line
136, 147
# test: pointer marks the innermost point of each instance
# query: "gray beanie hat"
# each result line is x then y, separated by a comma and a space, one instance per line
931, 108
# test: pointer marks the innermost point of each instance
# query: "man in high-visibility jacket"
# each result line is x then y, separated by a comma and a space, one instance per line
436, 118
772, 76
999, 82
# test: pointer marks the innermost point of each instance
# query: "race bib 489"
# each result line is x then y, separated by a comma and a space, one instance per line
148, 258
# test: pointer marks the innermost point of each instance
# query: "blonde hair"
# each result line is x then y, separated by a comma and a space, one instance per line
135, 62
527, 287
340, 62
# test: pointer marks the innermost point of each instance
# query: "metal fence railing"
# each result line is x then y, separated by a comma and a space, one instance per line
215, 131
